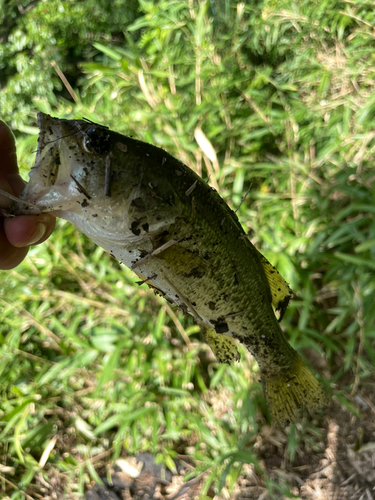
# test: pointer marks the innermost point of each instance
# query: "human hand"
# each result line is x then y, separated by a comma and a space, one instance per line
17, 233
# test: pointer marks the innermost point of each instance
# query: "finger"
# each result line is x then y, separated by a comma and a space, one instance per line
10, 180
26, 230
7, 150
10, 256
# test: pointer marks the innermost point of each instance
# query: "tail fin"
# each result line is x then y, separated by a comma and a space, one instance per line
291, 391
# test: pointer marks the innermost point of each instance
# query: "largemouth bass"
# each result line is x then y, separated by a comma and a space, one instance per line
160, 219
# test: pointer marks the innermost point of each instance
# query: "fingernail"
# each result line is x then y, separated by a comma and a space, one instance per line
44, 218
38, 234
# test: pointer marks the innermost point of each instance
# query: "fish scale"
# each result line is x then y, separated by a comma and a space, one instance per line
229, 287
178, 235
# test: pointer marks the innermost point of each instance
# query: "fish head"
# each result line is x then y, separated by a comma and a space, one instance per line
105, 183
70, 165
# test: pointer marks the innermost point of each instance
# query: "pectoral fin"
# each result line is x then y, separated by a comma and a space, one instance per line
223, 346
280, 290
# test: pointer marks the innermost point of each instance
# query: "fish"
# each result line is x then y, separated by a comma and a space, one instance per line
176, 233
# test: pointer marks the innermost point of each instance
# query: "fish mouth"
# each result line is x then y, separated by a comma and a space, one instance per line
46, 146
50, 177
50, 131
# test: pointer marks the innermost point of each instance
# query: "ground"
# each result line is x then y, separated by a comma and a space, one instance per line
342, 467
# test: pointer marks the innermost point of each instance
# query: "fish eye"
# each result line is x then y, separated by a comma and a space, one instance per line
96, 141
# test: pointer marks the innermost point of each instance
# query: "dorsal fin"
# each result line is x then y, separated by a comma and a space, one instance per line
280, 290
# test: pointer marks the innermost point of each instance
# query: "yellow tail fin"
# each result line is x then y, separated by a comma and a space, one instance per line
286, 394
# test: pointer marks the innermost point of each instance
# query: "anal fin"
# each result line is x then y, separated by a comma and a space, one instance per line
223, 346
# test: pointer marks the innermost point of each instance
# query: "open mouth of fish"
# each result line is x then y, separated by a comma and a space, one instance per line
53, 186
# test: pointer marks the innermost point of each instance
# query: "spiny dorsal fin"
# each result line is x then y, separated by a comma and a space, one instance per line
280, 290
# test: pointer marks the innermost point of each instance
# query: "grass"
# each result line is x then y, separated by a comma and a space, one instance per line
94, 366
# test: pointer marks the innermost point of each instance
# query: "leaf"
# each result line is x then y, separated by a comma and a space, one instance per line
110, 52
122, 418
366, 245
353, 259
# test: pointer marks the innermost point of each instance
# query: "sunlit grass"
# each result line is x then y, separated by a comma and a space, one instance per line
100, 366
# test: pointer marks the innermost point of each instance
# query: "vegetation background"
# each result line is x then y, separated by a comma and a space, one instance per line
279, 95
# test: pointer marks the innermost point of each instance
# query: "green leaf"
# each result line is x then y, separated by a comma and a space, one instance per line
366, 245
110, 52
353, 259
